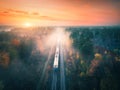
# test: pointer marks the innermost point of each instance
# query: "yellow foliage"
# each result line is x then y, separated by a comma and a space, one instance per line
82, 74
98, 56
77, 55
81, 61
117, 58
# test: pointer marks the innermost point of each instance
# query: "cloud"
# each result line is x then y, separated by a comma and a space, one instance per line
6, 12
17, 11
25, 14
35, 13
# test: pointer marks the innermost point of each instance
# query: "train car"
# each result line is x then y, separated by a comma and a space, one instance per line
56, 59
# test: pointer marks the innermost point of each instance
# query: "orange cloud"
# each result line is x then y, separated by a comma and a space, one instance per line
78, 12
17, 11
35, 13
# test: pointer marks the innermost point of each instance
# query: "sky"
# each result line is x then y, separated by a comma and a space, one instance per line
60, 12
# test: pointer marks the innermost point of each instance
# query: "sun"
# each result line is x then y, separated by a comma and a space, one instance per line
27, 24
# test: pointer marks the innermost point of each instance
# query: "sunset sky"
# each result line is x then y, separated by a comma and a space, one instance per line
60, 12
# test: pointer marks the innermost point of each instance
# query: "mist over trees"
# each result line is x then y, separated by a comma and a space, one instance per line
21, 63
92, 62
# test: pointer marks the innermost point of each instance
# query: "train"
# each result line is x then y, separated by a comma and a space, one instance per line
56, 59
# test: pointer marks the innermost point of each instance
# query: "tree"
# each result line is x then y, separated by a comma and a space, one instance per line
96, 69
4, 59
1, 85
82, 41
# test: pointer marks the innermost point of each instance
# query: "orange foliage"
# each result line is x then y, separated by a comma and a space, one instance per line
15, 42
94, 65
70, 53
4, 59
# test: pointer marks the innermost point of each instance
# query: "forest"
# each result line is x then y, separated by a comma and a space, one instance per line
21, 62
96, 65
92, 63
